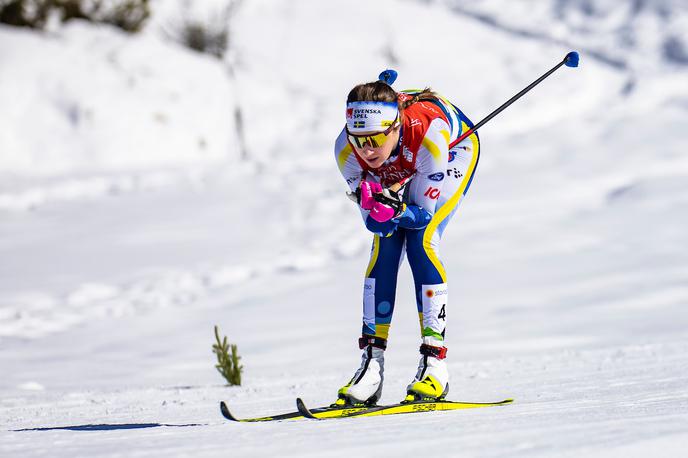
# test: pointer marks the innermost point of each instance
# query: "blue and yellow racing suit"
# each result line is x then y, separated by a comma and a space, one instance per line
442, 171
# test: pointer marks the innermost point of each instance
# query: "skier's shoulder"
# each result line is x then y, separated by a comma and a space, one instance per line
344, 153
437, 135
423, 134
433, 151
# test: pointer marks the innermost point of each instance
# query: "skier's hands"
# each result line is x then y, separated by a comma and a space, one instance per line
382, 203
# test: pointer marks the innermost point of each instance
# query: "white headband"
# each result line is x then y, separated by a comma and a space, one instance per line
370, 116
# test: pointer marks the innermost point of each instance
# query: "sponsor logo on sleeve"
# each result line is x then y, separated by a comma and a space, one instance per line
439, 176
452, 156
432, 193
456, 173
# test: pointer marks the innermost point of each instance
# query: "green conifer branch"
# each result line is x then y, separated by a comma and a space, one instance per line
227, 365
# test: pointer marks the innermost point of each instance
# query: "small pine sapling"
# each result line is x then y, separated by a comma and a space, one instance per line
227, 364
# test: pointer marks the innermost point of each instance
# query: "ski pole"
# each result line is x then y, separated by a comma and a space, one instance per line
571, 60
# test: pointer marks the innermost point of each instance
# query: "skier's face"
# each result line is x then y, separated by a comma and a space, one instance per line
376, 156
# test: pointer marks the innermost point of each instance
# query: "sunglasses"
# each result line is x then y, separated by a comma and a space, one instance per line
374, 140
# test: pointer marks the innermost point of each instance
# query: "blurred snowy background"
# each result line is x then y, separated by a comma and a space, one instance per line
149, 191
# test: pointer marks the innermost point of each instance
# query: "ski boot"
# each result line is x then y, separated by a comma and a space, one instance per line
432, 379
365, 388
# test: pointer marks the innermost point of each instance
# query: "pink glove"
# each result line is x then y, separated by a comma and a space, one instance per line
368, 188
378, 211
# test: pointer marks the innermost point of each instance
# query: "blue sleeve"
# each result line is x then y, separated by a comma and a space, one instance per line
382, 229
414, 217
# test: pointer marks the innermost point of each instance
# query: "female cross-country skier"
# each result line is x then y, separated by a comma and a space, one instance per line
400, 157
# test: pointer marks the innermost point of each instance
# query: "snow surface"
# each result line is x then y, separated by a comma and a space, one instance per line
129, 228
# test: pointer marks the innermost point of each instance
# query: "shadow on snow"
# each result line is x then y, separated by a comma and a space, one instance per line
107, 427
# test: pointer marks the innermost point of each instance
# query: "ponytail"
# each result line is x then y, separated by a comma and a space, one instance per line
425, 94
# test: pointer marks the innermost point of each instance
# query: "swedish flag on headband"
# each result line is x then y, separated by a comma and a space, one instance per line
359, 124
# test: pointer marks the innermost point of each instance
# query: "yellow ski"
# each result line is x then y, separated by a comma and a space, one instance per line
392, 409
334, 411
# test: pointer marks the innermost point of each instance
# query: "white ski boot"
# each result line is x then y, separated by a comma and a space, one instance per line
365, 387
432, 379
